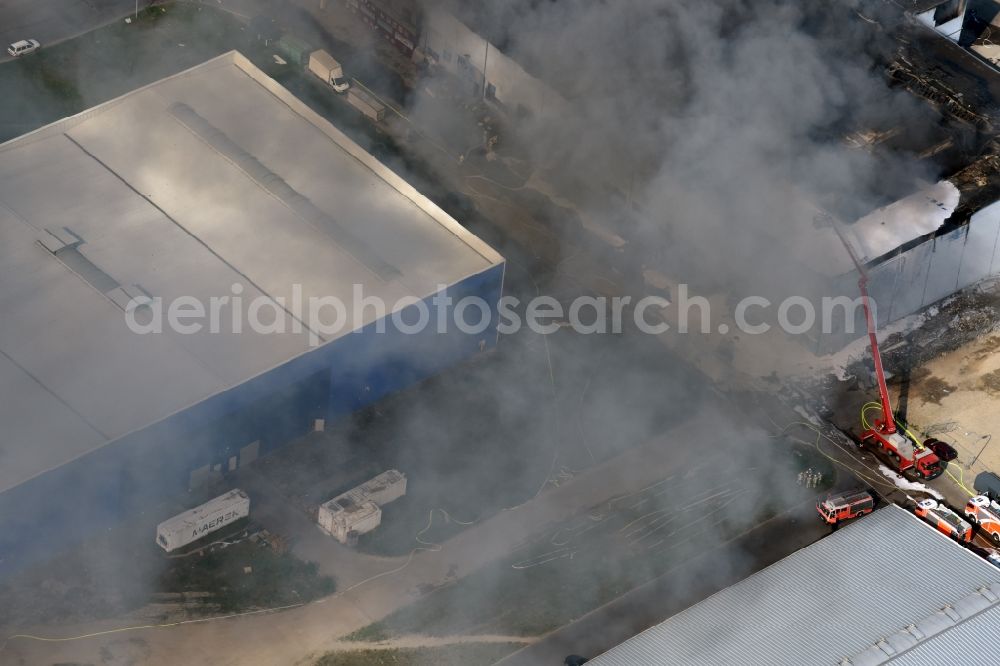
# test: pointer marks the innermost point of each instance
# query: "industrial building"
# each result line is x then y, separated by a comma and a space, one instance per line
396, 21
215, 182
489, 72
887, 589
919, 250
972, 24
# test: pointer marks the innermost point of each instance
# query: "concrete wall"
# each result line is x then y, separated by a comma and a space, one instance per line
451, 43
140, 470
926, 273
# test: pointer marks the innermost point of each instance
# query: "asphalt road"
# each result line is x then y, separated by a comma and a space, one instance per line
51, 21
687, 584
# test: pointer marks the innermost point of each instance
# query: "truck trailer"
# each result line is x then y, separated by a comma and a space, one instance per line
294, 49
387, 487
329, 71
184, 528
366, 104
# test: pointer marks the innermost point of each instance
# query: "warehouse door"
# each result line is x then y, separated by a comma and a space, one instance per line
249, 453
200, 477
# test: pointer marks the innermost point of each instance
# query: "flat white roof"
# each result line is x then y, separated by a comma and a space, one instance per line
213, 177
877, 233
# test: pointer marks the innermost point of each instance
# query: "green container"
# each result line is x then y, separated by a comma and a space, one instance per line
294, 50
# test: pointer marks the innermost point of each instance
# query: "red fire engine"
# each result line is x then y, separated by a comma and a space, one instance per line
985, 513
844, 506
902, 453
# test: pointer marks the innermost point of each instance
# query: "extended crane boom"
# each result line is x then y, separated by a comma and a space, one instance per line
903, 453
887, 423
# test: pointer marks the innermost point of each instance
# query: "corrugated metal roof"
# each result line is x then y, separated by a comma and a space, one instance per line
214, 177
975, 641
827, 602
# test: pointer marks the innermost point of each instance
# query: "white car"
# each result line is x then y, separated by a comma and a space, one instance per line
23, 47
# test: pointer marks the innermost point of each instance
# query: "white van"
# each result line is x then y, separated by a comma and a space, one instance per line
23, 47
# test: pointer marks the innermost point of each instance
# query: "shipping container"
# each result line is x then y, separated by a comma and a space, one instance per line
384, 488
191, 525
343, 515
366, 104
294, 50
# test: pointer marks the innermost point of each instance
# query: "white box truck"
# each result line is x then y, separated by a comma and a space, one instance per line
323, 65
191, 525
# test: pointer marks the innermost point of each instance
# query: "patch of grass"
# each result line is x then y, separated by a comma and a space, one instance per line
53, 78
991, 382
275, 579
471, 654
935, 389
373, 633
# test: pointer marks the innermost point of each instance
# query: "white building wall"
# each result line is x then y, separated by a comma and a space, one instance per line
979, 258
946, 258
927, 273
449, 40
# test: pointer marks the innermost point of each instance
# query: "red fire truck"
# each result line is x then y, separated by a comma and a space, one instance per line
845, 505
903, 454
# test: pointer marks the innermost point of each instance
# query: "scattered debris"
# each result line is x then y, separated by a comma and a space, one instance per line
934, 389
991, 382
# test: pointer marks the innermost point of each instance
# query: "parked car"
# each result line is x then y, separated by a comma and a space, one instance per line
942, 450
988, 483
991, 555
23, 47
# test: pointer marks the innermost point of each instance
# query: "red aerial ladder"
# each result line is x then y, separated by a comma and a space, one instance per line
903, 454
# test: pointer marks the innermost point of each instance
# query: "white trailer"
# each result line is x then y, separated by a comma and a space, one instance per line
191, 525
384, 488
330, 72
343, 515
359, 509
366, 104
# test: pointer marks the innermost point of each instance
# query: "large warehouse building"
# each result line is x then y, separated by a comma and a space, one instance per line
215, 182
888, 589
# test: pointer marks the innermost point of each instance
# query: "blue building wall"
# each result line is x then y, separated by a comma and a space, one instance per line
97, 490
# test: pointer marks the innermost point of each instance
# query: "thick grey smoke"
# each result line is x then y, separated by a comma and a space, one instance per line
711, 129
722, 120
